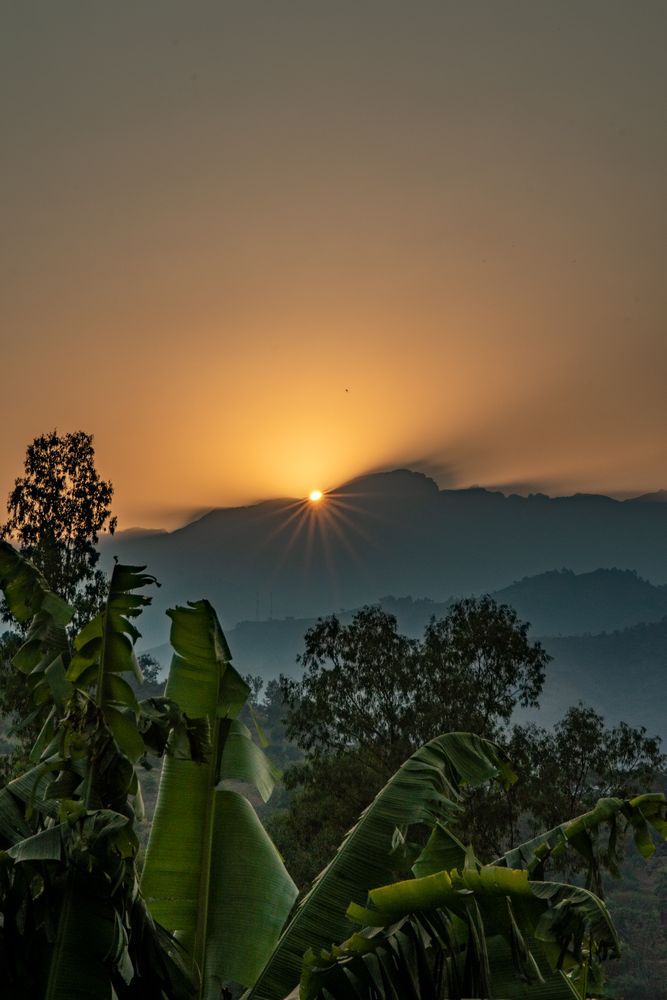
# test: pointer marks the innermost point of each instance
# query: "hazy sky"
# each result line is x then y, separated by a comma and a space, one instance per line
257, 248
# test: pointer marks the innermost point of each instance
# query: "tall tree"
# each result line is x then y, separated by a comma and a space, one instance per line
56, 512
369, 697
366, 686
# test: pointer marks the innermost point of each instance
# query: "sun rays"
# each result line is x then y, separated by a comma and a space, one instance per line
321, 531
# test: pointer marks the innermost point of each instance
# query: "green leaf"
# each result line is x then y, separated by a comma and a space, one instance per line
109, 639
44, 846
26, 591
56, 676
13, 825
582, 835
87, 936
123, 725
443, 852
250, 894
117, 691
44, 654
487, 931
31, 787
425, 789
201, 835
242, 760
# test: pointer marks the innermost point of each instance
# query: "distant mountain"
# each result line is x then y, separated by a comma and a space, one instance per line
566, 603
128, 533
621, 672
387, 533
660, 496
623, 675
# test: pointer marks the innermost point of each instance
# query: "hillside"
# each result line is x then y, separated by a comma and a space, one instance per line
621, 672
563, 602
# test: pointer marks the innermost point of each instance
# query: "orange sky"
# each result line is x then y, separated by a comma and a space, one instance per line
219, 217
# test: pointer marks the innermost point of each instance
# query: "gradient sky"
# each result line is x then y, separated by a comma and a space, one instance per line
258, 248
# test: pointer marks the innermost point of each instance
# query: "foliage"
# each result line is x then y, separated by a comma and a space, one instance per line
16, 709
73, 923
370, 696
368, 692
460, 928
423, 791
56, 512
563, 772
366, 685
211, 873
480, 659
76, 924
73, 920
326, 798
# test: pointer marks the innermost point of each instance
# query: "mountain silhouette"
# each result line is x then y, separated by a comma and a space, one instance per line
386, 533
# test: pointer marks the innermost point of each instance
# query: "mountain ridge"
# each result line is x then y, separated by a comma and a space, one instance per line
656, 496
391, 532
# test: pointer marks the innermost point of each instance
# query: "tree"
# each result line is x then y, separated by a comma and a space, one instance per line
358, 690
367, 686
56, 512
369, 696
477, 664
563, 772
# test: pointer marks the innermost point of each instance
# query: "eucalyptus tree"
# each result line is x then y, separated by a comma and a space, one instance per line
56, 512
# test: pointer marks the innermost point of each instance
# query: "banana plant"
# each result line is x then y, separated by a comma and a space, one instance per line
74, 924
463, 929
426, 789
44, 654
516, 933
477, 932
67, 825
212, 875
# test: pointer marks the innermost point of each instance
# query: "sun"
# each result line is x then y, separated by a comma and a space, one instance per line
315, 496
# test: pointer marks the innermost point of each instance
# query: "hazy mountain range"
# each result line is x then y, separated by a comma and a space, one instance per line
272, 568
622, 672
397, 533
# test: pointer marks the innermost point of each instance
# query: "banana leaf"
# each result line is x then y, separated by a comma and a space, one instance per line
426, 789
26, 591
69, 884
583, 836
211, 873
44, 653
432, 936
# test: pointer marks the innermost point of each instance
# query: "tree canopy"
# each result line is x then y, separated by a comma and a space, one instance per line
367, 686
369, 696
56, 512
